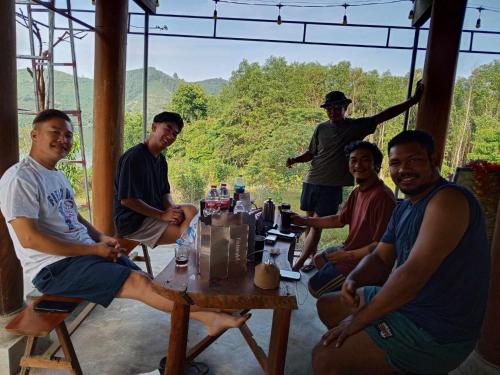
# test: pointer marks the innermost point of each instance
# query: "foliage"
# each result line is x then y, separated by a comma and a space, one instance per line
132, 132
190, 101
267, 112
74, 171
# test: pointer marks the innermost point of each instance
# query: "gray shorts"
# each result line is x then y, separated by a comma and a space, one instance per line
150, 232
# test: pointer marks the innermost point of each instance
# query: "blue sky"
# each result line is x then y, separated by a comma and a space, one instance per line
197, 59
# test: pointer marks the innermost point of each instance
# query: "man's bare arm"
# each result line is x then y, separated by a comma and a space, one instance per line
397, 109
374, 269
168, 201
171, 214
138, 205
331, 221
304, 158
363, 251
30, 237
445, 221
93, 233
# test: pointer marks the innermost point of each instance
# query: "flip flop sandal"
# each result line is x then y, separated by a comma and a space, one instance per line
308, 268
191, 368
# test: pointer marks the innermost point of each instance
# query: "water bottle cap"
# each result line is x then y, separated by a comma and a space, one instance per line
179, 241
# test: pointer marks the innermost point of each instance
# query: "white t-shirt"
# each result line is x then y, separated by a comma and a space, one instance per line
28, 189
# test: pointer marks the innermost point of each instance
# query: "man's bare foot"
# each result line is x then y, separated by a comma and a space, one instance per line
218, 322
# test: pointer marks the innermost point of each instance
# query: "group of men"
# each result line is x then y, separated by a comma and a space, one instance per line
61, 252
408, 287
407, 290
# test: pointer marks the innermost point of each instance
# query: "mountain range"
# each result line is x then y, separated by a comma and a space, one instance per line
160, 89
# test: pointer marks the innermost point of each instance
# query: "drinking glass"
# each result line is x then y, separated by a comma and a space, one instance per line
181, 255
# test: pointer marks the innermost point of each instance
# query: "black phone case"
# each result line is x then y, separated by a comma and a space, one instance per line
55, 306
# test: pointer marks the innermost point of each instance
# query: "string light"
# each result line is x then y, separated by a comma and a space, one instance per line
215, 9
344, 19
478, 22
333, 4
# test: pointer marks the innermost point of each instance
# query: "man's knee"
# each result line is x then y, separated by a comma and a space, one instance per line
137, 281
330, 309
324, 360
190, 210
319, 260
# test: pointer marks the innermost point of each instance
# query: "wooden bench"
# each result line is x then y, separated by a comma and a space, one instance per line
128, 245
34, 324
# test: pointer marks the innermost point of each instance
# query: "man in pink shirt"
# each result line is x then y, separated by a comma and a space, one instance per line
367, 212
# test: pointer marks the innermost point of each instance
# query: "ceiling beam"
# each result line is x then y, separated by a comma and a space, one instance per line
148, 5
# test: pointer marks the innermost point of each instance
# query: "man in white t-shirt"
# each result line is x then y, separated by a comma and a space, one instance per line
61, 252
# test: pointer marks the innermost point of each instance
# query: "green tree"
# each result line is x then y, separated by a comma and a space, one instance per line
486, 139
74, 171
190, 101
132, 134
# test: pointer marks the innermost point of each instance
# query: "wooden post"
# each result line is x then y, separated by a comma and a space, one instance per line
109, 96
11, 273
443, 44
489, 343
278, 342
179, 325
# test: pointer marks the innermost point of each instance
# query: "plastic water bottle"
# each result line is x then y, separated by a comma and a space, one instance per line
240, 207
239, 185
187, 237
224, 197
212, 202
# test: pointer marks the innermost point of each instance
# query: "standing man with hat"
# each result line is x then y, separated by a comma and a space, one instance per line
329, 172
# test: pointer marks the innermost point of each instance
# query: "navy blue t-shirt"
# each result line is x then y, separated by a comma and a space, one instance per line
143, 176
450, 307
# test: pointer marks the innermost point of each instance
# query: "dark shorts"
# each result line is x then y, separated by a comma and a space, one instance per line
410, 349
328, 278
89, 277
324, 200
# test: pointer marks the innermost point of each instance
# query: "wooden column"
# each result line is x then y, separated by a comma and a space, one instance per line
443, 44
109, 96
11, 273
489, 343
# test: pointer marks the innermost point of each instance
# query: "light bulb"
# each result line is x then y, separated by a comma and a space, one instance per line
215, 14
344, 20
411, 14
279, 19
478, 23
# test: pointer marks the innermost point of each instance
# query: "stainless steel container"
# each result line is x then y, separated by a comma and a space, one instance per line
223, 243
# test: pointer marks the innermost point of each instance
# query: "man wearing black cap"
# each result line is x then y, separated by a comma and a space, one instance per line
322, 187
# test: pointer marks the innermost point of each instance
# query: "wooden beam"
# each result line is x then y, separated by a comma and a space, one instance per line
11, 273
421, 12
109, 98
148, 5
443, 44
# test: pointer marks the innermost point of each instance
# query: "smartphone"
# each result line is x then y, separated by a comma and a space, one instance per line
55, 306
271, 239
286, 236
290, 275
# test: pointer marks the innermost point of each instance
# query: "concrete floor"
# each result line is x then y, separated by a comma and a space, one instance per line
130, 338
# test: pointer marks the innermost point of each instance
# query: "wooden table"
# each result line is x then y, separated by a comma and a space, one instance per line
185, 288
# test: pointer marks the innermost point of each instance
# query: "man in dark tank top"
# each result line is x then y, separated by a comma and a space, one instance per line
416, 303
